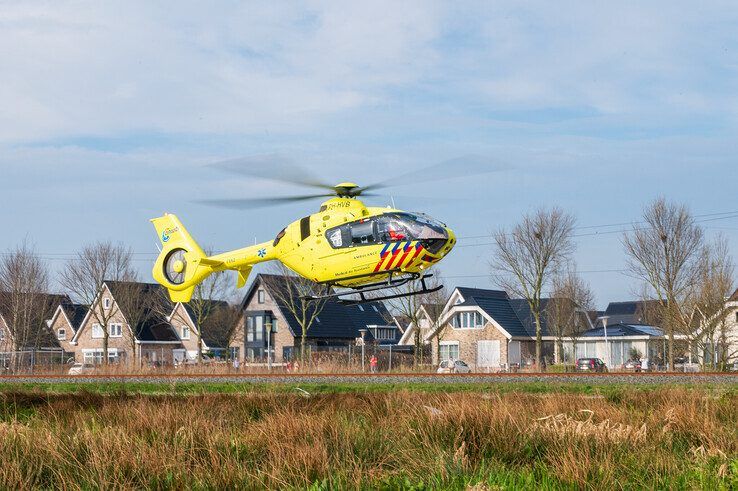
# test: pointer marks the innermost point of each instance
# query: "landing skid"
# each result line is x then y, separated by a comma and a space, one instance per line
375, 287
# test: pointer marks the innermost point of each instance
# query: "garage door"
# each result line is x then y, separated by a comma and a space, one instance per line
488, 354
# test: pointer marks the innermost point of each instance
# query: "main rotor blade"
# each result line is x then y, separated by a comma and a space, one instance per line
250, 203
469, 165
274, 167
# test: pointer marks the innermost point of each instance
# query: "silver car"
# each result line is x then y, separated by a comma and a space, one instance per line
453, 366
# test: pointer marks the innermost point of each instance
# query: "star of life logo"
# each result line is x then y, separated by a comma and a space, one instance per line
262, 252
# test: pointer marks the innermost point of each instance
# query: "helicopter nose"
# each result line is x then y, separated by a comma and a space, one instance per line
450, 241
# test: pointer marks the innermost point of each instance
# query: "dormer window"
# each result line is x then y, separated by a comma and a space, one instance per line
467, 320
61, 334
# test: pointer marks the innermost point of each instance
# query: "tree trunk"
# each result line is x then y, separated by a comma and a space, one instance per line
199, 347
302, 346
539, 339
105, 345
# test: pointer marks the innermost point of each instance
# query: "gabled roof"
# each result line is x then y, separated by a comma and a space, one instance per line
497, 305
734, 296
335, 320
620, 330
76, 313
630, 312
43, 301
214, 332
154, 326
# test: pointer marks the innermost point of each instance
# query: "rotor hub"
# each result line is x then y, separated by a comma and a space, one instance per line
347, 190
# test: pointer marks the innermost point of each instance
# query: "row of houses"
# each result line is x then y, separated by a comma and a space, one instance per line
164, 332
485, 328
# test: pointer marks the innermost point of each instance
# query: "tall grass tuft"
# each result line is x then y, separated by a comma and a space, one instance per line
664, 438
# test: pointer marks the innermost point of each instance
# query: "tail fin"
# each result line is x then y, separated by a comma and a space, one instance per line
182, 263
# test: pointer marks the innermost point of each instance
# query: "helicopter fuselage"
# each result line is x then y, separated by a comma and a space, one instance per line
344, 244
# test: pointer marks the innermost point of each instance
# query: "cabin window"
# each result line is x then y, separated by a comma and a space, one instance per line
304, 228
61, 334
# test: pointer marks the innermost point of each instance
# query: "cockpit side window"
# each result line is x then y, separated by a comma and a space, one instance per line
390, 227
362, 232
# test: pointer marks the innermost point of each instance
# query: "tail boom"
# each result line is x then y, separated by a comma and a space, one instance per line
182, 263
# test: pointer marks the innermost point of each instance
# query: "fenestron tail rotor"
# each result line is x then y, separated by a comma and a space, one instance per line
175, 266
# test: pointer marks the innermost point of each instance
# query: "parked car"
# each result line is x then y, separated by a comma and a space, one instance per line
81, 369
591, 365
633, 366
453, 366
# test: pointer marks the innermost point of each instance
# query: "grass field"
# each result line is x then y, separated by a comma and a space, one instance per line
517, 436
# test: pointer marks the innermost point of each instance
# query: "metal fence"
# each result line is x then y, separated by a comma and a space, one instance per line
29, 361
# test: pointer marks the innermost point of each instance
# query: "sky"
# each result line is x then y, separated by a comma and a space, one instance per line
111, 112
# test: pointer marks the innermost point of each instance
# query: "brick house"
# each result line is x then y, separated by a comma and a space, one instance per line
215, 333
152, 338
336, 326
490, 331
427, 315
31, 311
65, 322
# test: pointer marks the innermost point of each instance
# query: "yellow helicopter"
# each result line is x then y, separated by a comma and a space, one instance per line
346, 244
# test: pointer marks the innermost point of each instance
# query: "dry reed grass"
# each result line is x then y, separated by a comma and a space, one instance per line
657, 439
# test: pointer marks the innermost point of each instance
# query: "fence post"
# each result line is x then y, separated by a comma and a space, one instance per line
390, 357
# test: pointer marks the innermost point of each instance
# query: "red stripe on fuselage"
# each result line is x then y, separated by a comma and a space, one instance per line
395, 253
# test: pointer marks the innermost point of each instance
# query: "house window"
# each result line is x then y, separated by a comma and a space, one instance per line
116, 330
2, 334
260, 296
249, 329
95, 356
375, 308
467, 320
736, 317
361, 307
449, 350
106, 303
259, 329
61, 334
97, 331
185, 332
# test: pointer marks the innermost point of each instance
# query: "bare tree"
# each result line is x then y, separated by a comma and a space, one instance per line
139, 302
85, 275
566, 309
710, 332
410, 308
292, 293
526, 258
24, 301
665, 254
206, 303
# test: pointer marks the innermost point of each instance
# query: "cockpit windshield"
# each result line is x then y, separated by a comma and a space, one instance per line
406, 226
390, 227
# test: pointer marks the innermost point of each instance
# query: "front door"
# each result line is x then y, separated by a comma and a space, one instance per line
488, 354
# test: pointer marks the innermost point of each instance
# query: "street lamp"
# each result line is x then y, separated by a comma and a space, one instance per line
363, 333
270, 328
607, 345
